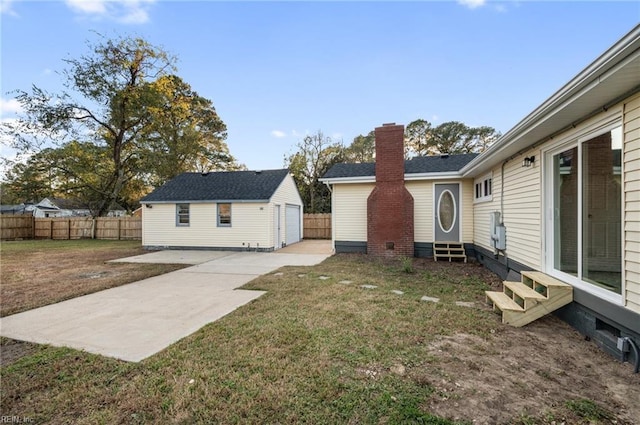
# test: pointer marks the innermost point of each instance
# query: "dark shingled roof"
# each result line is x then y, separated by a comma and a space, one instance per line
219, 186
419, 164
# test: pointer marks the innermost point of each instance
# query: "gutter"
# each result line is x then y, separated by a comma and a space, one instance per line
407, 177
209, 201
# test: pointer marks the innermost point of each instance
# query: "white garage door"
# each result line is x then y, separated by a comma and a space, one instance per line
292, 219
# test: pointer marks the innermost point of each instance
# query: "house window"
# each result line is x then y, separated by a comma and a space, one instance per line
182, 214
483, 189
224, 215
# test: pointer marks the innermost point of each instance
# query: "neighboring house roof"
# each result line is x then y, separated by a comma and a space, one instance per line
219, 186
63, 204
417, 165
612, 77
14, 209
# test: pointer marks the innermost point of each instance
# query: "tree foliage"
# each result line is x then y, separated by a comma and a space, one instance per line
123, 124
452, 137
315, 154
362, 149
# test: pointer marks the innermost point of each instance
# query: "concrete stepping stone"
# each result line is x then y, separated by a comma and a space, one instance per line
346, 282
278, 274
465, 303
324, 277
430, 299
397, 292
368, 286
302, 275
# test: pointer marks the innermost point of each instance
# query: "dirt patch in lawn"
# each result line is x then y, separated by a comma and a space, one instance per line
530, 372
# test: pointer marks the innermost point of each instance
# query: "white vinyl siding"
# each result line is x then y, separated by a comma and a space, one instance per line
422, 193
349, 215
631, 202
466, 188
250, 225
522, 211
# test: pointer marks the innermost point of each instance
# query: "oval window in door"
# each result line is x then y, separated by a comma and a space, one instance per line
446, 211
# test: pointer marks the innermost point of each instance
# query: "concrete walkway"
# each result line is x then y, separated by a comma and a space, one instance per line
137, 320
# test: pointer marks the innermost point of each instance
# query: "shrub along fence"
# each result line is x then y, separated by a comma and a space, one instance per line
317, 226
113, 228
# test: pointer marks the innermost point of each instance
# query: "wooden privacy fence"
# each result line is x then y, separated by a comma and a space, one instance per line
317, 226
114, 228
16, 227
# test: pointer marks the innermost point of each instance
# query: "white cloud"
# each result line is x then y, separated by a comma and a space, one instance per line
6, 9
87, 6
279, 134
11, 106
123, 11
472, 4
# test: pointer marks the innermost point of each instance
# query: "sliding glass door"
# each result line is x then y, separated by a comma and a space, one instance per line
584, 222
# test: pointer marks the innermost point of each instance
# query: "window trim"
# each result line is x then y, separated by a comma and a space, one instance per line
576, 139
218, 216
483, 186
179, 215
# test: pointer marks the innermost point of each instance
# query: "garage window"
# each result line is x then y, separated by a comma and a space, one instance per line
182, 214
224, 215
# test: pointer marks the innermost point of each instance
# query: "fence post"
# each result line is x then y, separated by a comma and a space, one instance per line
51, 229
119, 228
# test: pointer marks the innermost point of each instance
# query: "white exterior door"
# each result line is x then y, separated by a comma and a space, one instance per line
292, 223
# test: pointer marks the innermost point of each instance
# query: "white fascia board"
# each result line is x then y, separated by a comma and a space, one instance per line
433, 176
211, 201
338, 180
407, 177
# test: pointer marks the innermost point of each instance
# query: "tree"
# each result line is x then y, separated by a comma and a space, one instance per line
29, 181
186, 133
418, 135
315, 155
123, 113
362, 149
451, 137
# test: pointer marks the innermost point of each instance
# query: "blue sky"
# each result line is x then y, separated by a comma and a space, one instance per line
276, 71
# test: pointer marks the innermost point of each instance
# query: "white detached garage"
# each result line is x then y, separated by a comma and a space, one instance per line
236, 210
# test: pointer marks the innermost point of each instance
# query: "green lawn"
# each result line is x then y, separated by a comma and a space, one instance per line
311, 350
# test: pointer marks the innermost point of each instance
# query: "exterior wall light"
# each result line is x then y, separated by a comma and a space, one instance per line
528, 161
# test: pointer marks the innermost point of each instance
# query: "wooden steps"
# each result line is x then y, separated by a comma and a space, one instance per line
449, 251
523, 302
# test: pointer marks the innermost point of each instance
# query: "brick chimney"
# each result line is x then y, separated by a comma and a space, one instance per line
390, 205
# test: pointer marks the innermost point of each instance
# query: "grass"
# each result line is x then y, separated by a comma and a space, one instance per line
314, 351
35, 273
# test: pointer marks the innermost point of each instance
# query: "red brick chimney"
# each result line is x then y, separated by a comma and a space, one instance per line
390, 205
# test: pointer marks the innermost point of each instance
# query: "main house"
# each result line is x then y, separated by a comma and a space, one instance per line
554, 202
235, 210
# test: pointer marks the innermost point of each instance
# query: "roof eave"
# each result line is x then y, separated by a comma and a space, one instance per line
440, 175
209, 201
